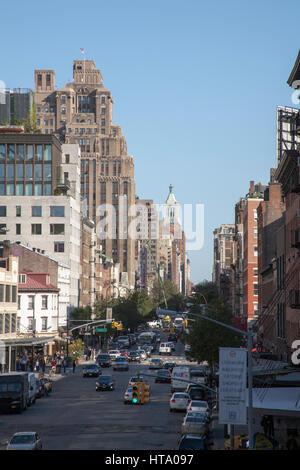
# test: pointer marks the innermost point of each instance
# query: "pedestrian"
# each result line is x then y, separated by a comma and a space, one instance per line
43, 365
53, 366
65, 363
37, 365
74, 365
58, 365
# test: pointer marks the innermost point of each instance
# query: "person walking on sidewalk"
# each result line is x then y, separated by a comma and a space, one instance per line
74, 365
65, 363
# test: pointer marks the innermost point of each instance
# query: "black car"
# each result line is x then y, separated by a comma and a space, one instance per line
134, 356
169, 365
91, 370
191, 442
163, 376
103, 360
105, 382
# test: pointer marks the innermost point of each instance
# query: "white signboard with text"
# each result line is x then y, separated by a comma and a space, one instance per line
232, 385
109, 314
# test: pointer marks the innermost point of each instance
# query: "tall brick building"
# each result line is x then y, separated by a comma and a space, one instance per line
81, 112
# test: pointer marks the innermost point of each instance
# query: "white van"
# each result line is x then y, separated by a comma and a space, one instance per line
32, 388
165, 348
182, 372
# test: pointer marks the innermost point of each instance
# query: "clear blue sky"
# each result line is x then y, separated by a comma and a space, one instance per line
195, 86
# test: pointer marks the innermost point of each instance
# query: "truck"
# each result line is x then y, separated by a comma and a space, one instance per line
180, 372
14, 391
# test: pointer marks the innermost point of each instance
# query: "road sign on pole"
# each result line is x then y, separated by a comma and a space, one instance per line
232, 385
109, 314
100, 330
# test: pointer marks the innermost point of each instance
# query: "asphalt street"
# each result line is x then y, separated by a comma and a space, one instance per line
75, 416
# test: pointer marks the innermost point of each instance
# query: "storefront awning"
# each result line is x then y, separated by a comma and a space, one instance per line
278, 401
33, 341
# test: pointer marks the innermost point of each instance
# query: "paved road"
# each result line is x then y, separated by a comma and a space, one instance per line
75, 416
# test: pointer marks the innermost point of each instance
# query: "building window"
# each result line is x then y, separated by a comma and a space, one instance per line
59, 247
36, 229
22, 278
103, 99
255, 232
30, 302
255, 250
44, 323
19, 302
63, 99
7, 293
255, 214
102, 111
14, 294
36, 211
3, 229
67, 158
255, 288
45, 302
57, 211
2, 211
57, 229
30, 324
255, 272
1, 293
18, 229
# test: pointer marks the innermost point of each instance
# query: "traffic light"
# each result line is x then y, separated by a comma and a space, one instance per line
114, 324
145, 393
136, 392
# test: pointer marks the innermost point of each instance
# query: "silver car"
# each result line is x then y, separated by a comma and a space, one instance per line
25, 441
195, 422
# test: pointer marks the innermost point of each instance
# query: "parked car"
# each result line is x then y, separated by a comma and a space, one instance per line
195, 423
156, 363
163, 376
121, 363
172, 345
192, 442
105, 382
169, 365
91, 370
103, 360
134, 356
25, 441
199, 405
179, 401
128, 395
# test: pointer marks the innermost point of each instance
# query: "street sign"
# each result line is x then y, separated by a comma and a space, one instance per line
109, 314
100, 330
232, 385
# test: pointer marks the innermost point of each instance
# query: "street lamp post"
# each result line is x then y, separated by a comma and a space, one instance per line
249, 336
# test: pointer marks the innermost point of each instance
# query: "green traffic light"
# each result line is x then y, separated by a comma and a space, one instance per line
134, 400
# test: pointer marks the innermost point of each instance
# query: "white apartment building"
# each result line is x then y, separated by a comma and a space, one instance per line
37, 304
